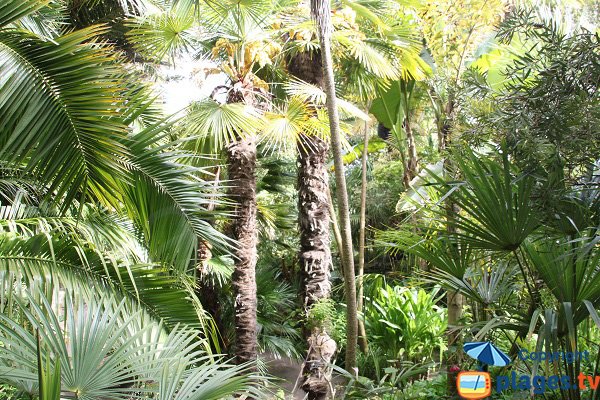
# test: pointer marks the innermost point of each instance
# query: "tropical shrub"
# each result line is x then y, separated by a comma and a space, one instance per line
406, 322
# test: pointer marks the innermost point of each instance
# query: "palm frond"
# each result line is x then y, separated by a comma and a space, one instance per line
373, 60
168, 34
218, 125
95, 362
98, 229
59, 103
106, 350
167, 201
441, 253
316, 96
209, 382
569, 269
57, 259
498, 212
12, 10
285, 125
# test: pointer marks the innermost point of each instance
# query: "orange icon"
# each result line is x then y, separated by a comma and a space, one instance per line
474, 385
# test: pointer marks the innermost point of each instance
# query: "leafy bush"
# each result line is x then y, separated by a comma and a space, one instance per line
406, 322
388, 384
328, 314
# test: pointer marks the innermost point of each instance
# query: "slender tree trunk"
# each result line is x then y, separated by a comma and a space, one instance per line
205, 289
454, 299
412, 162
336, 230
322, 14
362, 333
241, 157
314, 223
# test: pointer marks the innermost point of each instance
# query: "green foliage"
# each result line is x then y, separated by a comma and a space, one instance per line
329, 315
73, 88
48, 375
9, 393
499, 213
387, 385
406, 322
549, 113
107, 349
434, 388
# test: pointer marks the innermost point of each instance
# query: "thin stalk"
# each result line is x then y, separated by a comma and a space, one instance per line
524, 273
362, 334
322, 14
336, 228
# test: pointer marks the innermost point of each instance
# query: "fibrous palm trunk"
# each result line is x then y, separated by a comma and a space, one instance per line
241, 157
313, 220
315, 260
321, 12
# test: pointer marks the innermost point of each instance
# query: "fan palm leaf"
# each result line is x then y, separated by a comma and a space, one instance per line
95, 361
569, 269
208, 382
108, 351
218, 125
497, 209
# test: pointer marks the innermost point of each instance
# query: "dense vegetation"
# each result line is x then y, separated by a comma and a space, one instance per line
365, 186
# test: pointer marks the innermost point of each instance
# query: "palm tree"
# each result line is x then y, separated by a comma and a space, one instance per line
321, 12
80, 150
92, 205
313, 221
304, 62
235, 35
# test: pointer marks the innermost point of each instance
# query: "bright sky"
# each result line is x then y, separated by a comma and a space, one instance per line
186, 82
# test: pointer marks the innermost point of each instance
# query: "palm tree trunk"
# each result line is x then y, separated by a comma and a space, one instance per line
315, 259
313, 220
241, 157
412, 162
336, 229
321, 12
315, 253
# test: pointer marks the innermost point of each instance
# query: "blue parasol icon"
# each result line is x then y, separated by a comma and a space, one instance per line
486, 353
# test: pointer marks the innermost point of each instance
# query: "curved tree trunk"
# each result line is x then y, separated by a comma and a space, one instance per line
321, 12
241, 156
